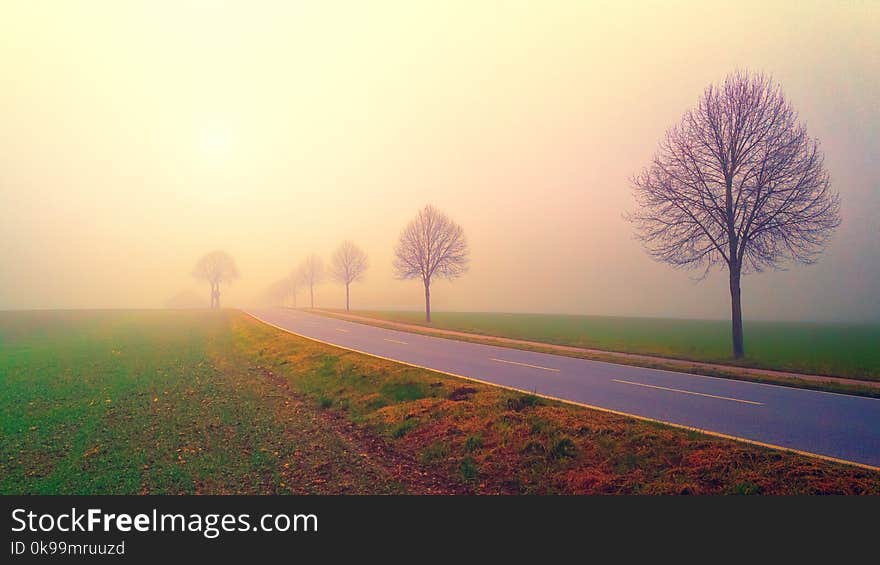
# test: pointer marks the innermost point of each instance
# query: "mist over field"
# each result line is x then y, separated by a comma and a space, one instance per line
135, 137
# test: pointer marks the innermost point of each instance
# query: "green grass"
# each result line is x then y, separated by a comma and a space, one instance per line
469, 469
845, 350
473, 443
149, 402
404, 427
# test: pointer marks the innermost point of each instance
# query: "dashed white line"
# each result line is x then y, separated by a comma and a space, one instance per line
524, 364
341, 330
395, 341
690, 392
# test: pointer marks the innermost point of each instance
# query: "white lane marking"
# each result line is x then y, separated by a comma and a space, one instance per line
690, 392
341, 330
590, 406
395, 341
524, 364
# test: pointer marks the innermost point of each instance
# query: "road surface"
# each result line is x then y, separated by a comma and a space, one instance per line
831, 425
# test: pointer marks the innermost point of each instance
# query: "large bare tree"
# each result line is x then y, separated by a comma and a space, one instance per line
737, 183
312, 272
430, 246
216, 267
349, 265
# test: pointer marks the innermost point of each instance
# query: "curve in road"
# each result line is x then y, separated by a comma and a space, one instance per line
829, 425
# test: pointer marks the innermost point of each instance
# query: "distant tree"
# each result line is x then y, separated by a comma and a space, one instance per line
312, 273
430, 246
293, 280
349, 265
216, 267
737, 183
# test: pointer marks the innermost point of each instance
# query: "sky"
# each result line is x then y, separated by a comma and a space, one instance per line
137, 136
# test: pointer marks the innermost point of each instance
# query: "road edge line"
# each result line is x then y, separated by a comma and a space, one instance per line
582, 404
485, 339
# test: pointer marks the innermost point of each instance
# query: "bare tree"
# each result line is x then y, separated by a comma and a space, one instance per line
349, 265
312, 273
737, 183
431, 245
293, 280
216, 267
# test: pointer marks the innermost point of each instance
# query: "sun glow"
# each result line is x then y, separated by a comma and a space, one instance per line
215, 142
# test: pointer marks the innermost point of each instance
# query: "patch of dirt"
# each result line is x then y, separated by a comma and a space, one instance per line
462, 393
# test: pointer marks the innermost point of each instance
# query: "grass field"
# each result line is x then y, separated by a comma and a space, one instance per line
216, 402
845, 350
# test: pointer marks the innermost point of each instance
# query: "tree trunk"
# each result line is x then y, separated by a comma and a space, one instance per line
312, 295
428, 302
346, 297
734, 266
736, 312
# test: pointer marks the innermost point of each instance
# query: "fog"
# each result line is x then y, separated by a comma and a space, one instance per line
137, 136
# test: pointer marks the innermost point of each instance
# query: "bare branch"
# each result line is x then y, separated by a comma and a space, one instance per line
311, 273
311, 270
738, 182
216, 267
349, 263
431, 245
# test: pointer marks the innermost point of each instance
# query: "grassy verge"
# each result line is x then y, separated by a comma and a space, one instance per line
175, 402
842, 350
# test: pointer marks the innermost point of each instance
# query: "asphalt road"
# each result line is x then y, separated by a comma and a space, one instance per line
833, 425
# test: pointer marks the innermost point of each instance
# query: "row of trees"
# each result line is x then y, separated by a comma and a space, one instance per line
737, 183
430, 247
348, 265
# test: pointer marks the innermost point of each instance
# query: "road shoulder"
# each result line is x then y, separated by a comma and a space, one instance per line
769, 376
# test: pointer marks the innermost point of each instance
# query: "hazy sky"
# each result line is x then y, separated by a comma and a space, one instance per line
135, 136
